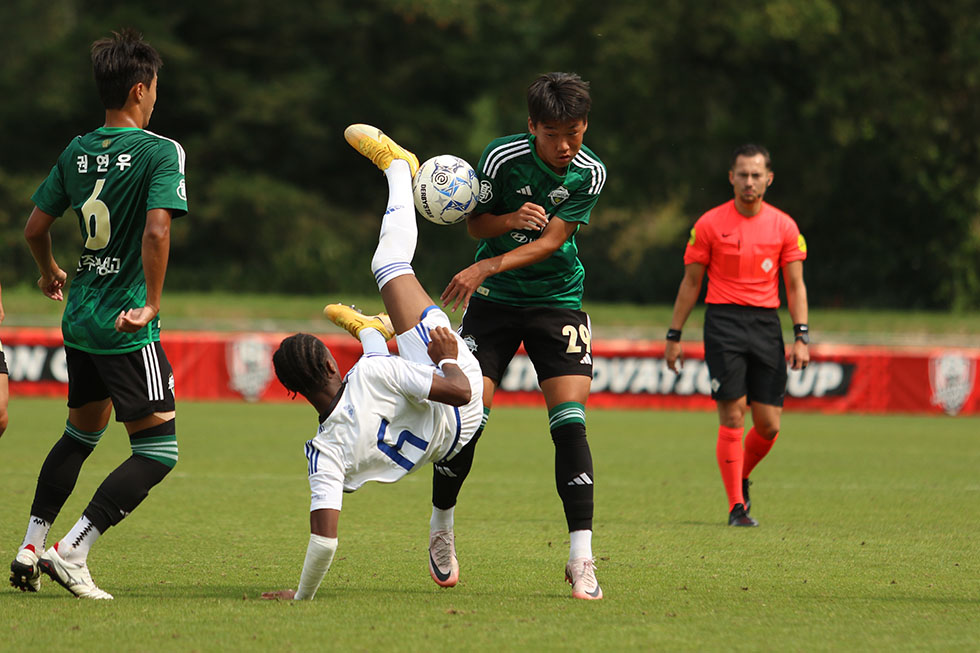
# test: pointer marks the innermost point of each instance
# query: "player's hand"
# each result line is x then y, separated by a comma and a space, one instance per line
53, 283
799, 358
530, 216
442, 344
673, 356
135, 319
463, 285
280, 595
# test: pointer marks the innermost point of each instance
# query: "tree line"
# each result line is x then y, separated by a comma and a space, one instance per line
869, 110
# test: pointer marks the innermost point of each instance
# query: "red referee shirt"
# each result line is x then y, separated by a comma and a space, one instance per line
743, 255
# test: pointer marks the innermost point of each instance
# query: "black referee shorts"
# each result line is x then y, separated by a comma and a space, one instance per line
744, 350
557, 340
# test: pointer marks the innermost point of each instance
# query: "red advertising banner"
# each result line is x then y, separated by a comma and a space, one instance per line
627, 374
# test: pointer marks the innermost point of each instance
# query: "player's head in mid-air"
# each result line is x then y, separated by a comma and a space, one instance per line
305, 366
125, 69
558, 107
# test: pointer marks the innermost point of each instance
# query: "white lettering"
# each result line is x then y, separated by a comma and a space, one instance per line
103, 161
26, 363
82, 162
123, 161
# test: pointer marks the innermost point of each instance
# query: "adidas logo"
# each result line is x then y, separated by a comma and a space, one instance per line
586, 360
445, 471
524, 191
581, 479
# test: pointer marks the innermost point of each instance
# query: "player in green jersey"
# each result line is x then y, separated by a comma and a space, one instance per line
125, 184
536, 191
4, 388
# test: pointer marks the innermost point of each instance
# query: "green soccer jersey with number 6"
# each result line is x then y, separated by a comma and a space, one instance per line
510, 174
111, 177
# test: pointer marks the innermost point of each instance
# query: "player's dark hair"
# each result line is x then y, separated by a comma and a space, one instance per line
302, 364
558, 97
119, 62
750, 149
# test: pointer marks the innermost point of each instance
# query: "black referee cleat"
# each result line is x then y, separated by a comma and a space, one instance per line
738, 517
745, 494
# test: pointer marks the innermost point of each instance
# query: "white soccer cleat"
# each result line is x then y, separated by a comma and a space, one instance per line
443, 565
24, 572
74, 578
377, 146
580, 574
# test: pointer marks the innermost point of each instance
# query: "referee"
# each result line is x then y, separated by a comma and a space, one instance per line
742, 245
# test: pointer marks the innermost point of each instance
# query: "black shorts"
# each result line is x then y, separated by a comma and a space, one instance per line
3, 362
139, 383
557, 340
743, 347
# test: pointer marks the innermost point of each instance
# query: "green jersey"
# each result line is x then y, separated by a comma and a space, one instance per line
111, 177
511, 173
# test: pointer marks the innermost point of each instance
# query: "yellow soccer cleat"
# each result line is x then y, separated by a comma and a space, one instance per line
375, 145
354, 321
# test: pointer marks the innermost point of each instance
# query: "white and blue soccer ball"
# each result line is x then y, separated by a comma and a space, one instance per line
446, 189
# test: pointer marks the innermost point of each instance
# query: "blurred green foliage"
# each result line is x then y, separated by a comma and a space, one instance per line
869, 109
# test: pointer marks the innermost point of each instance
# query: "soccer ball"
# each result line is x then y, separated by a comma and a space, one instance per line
446, 189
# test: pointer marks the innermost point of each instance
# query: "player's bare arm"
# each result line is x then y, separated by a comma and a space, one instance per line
452, 387
796, 302
465, 283
487, 225
156, 253
38, 235
687, 297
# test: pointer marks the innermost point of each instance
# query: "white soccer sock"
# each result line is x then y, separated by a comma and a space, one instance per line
442, 520
319, 555
37, 534
74, 546
580, 545
372, 342
399, 232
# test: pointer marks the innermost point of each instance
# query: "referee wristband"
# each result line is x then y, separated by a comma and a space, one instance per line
447, 360
674, 335
801, 332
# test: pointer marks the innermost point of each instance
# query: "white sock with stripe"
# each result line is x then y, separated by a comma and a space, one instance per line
399, 232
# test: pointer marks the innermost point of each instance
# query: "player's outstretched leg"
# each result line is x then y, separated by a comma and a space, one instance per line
403, 295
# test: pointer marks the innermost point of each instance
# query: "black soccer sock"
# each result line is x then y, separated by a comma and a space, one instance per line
59, 472
573, 470
128, 484
448, 477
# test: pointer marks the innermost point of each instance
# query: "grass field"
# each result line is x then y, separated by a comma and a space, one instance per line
870, 540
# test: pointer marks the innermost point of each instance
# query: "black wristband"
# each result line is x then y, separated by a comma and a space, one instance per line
801, 332
674, 335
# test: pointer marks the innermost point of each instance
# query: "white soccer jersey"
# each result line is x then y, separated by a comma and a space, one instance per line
383, 426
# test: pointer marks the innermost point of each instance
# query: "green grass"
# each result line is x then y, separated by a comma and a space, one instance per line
228, 311
870, 540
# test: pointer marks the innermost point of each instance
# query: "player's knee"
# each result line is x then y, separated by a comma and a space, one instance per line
567, 424
157, 443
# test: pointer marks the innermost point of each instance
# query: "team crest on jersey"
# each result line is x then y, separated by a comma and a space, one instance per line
558, 195
106, 142
951, 376
486, 191
249, 361
767, 265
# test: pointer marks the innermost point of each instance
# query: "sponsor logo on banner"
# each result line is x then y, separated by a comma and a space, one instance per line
249, 366
33, 363
951, 377
647, 375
